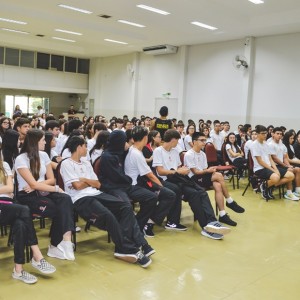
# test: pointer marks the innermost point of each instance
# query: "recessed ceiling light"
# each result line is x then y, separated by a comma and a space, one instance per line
16, 31
131, 23
204, 25
61, 39
114, 41
66, 31
257, 1
158, 11
13, 21
75, 8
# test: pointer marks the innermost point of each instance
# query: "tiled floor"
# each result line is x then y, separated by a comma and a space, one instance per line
260, 259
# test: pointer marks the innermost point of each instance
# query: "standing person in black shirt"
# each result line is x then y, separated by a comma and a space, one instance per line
162, 124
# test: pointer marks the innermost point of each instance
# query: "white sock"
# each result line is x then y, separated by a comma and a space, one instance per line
297, 190
222, 213
288, 191
229, 199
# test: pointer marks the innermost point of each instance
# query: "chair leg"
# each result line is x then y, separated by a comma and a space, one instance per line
108, 238
245, 190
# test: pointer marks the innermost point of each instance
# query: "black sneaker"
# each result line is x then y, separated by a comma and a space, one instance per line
148, 230
264, 190
226, 220
270, 192
143, 260
148, 250
235, 207
173, 226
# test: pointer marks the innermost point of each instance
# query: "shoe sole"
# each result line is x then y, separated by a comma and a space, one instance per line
149, 236
147, 264
43, 271
150, 253
62, 250
54, 256
176, 229
210, 237
233, 224
290, 198
218, 230
25, 281
128, 258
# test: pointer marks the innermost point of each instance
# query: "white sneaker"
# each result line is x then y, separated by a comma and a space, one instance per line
291, 196
216, 227
43, 266
24, 276
55, 252
296, 194
130, 258
67, 248
214, 236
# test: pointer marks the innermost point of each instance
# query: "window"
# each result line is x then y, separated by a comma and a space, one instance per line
57, 62
70, 64
83, 66
1, 55
12, 57
43, 61
27, 59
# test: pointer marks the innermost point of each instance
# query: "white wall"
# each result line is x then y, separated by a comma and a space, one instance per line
276, 92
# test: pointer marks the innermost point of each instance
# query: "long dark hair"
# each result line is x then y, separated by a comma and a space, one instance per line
151, 135
286, 142
237, 148
31, 148
101, 141
2, 131
10, 146
48, 140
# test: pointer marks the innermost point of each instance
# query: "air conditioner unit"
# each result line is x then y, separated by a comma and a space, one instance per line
160, 49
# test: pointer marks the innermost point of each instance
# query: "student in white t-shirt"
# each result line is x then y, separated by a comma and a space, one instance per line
136, 167
18, 216
37, 190
168, 166
195, 159
191, 128
247, 145
99, 146
104, 211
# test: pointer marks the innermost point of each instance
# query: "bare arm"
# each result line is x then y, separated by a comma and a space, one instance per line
9, 187
153, 178
85, 182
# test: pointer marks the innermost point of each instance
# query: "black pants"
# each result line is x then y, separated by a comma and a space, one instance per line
57, 206
115, 216
240, 163
146, 199
198, 200
166, 201
23, 232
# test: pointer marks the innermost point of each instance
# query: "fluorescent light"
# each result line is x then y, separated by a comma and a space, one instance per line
66, 31
204, 25
13, 21
65, 40
75, 8
113, 41
131, 23
153, 9
257, 1
16, 31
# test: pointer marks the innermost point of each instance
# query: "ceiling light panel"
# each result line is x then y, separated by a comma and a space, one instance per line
204, 25
75, 9
16, 31
67, 31
13, 21
61, 39
156, 10
114, 41
257, 1
131, 23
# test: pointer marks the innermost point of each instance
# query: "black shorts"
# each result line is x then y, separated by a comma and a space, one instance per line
203, 180
267, 173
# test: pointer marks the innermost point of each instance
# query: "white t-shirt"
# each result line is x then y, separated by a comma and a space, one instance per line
193, 159
181, 142
187, 140
247, 148
53, 153
233, 149
60, 143
262, 150
71, 171
90, 144
166, 159
135, 164
8, 173
22, 161
278, 149
95, 154
217, 139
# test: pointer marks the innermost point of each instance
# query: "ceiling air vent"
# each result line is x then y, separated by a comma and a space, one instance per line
160, 49
104, 16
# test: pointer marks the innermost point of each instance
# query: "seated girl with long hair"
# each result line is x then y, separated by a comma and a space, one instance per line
37, 190
19, 218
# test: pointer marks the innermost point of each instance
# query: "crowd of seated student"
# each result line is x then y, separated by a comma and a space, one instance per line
62, 139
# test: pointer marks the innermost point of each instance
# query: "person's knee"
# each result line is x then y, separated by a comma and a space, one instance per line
289, 175
275, 178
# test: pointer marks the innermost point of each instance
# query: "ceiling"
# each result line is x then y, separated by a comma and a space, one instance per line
234, 19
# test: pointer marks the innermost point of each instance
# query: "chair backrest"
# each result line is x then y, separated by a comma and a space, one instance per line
211, 154
250, 163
